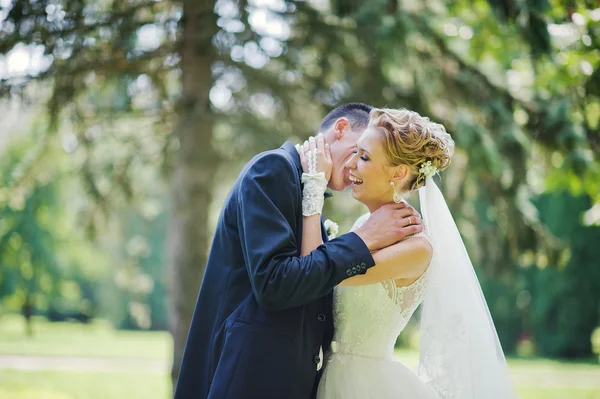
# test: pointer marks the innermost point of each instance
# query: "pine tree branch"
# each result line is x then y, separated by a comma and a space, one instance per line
103, 65
464, 66
73, 24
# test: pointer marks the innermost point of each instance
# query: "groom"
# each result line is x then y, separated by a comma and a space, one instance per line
264, 312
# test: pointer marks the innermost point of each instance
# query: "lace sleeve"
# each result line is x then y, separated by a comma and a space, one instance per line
408, 296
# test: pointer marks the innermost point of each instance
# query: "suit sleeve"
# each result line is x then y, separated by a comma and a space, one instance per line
268, 204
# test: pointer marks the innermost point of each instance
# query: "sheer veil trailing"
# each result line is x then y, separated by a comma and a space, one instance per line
460, 356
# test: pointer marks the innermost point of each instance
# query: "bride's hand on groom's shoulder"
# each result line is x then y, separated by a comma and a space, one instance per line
322, 156
390, 224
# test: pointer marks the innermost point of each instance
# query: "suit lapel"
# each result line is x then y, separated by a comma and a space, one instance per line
290, 149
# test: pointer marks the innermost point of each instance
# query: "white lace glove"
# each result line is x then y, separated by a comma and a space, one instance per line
315, 182
313, 195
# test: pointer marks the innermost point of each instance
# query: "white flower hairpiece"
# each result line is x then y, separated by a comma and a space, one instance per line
427, 169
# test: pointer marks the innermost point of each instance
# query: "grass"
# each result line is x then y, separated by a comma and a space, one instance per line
542, 378
535, 378
97, 339
75, 385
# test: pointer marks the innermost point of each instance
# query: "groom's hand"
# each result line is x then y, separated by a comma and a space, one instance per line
389, 224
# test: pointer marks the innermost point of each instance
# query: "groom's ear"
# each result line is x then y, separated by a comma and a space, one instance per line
340, 126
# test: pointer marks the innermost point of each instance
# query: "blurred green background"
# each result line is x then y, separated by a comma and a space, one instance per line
123, 125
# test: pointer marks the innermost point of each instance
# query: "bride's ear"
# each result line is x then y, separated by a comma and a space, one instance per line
401, 173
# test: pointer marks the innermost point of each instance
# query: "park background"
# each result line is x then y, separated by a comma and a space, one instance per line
124, 123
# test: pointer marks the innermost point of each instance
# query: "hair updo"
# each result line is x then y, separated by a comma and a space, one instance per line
411, 139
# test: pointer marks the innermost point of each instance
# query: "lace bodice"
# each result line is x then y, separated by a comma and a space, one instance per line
369, 318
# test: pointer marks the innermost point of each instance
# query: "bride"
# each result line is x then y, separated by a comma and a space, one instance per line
460, 355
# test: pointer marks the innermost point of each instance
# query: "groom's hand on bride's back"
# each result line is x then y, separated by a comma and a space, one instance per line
389, 224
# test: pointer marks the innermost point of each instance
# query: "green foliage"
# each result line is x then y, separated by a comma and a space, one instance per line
135, 298
565, 298
49, 264
38, 250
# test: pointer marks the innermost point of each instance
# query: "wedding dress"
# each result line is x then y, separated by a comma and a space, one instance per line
460, 354
368, 319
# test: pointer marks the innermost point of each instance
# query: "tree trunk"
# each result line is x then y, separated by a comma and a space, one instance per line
194, 168
27, 311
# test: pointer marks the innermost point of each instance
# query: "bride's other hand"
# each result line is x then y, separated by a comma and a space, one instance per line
390, 224
324, 163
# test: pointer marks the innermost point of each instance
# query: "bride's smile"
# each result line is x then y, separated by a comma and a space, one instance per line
370, 173
355, 180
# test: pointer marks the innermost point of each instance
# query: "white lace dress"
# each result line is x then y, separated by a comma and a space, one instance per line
361, 362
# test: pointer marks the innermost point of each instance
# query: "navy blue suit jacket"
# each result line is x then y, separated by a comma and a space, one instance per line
263, 310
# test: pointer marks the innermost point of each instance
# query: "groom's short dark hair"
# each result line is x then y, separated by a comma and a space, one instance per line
356, 113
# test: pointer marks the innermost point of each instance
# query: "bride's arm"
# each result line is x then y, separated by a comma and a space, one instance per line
311, 234
406, 259
311, 225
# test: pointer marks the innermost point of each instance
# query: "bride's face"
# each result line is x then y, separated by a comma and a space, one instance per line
370, 172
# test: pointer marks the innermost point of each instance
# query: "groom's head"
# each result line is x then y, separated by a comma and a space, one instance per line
342, 127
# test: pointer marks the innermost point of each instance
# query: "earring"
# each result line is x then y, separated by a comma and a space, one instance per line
397, 197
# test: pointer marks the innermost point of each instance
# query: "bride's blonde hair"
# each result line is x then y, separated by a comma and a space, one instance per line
412, 140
